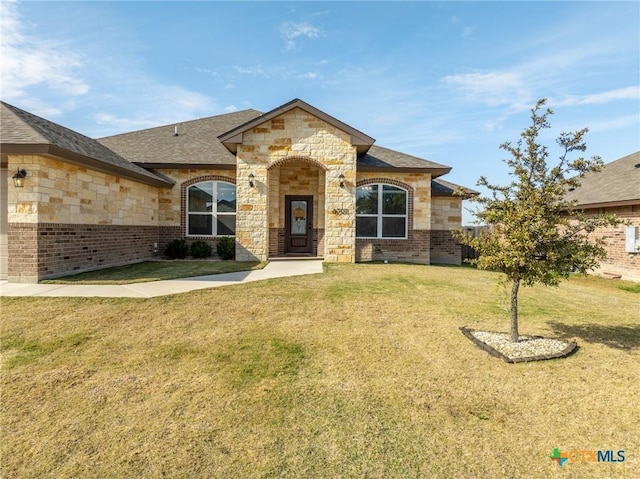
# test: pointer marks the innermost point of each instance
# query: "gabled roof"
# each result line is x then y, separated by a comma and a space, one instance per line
22, 132
196, 144
383, 159
440, 187
617, 184
232, 138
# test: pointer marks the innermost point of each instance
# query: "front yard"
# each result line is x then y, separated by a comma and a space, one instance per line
359, 372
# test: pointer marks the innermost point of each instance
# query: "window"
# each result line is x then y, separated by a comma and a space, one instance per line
211, 209
381, 211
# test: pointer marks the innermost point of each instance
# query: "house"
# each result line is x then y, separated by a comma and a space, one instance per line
294, 181
615, 190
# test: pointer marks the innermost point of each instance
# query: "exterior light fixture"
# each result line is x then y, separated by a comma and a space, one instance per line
252, 183
341, 178
18, 177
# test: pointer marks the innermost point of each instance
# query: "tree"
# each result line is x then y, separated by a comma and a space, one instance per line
534, 234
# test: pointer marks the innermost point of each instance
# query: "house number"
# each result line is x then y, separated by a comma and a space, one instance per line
340, 211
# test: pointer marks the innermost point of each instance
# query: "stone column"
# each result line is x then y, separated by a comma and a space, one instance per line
252, 228
340, 203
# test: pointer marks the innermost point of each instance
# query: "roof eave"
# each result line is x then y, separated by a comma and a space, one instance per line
186, 166
435, 172
82, 160
607, 204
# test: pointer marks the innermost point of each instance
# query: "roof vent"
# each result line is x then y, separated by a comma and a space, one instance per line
175, 131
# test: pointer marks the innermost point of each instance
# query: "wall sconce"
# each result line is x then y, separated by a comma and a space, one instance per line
252, 183
341, 178
18, 177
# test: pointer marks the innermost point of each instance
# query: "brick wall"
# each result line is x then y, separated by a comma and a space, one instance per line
618, 261
22, 252
414, 249
445, 249
46, 250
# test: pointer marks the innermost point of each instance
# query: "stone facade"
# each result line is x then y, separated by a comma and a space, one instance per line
67, 218
59, 192
279, 148
76, 214
446, 215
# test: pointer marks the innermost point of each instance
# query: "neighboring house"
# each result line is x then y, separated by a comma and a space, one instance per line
291, 182
615, 190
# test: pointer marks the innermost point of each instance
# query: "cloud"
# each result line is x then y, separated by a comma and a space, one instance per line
147, 104
32, 61
257, 70
492, 88
291, 32
613, 124
309, 76
626, 93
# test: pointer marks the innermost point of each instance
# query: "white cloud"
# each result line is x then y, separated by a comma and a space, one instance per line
148, 104
291, 32
492, 88
257, 70
613, 124
626, 93
117, 123
30, 60
309, 76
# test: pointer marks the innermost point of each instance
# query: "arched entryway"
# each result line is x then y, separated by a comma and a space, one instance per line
296, 207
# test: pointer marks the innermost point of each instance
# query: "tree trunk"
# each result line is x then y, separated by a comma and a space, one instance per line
514, 310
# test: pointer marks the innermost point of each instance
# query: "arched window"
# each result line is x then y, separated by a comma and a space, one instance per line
211, 209
381, 211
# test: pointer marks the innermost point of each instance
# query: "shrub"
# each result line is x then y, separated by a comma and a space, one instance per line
177, 249
226, 247
200, 249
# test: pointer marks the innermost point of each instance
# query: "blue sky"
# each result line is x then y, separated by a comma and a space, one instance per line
445, 81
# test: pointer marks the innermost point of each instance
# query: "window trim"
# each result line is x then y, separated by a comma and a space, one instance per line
214, 210
380, 215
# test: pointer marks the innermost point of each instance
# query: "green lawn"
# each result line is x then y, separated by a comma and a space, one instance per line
156, 271
358, 372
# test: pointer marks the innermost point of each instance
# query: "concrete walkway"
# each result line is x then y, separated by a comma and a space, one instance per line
275, 269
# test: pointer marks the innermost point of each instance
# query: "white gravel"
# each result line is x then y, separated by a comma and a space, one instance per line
527, 347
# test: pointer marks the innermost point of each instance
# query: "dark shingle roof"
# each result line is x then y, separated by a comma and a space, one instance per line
440, 187
617, 182
384, 159
24, 132
196, 144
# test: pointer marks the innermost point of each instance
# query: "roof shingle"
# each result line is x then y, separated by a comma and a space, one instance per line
22, 130
618, 181
196, 144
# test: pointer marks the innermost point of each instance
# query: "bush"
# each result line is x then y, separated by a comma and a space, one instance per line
200, 249
226, 247
177, 249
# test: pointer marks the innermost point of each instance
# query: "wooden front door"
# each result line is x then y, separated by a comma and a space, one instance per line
298, 224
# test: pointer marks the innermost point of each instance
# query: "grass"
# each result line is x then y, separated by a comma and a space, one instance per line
156, 271
359, 372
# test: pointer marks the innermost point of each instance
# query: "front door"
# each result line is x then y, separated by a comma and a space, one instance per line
298, 224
